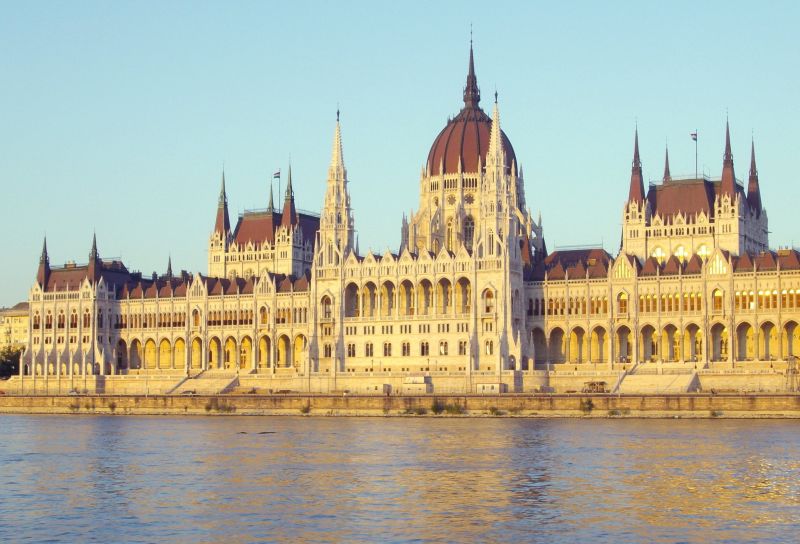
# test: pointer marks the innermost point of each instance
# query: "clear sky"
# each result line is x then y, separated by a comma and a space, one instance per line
118, 116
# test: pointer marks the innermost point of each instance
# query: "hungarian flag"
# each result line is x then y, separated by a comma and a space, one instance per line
277, 175
693, 135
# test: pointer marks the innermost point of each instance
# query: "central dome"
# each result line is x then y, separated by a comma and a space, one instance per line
465, 138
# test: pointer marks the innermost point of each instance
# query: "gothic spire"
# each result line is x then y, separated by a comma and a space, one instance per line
223, 223
169, 267
636, 191
728, 185
289, 214
95, 264
271, 206
472, 95
337, 170
753, 189
667, 176
495, 154
93, 254
43, 273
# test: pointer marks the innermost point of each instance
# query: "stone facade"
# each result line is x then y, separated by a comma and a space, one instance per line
14, 326
472, 299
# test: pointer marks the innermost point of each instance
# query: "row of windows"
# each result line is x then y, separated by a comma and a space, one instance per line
405, 349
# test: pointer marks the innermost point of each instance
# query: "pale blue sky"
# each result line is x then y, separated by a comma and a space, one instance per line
117, 116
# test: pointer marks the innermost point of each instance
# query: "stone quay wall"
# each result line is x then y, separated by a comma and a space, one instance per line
525, 405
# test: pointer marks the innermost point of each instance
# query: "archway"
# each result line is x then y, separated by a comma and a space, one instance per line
769, 342
557, 347
164, 354
745, 342
214, 353
719, 342
539, 346
463, 296
231, 353
122, 356
577, 345
693, 343
179, 354
245, 353
444, 296
284, 352
299, 350
671, 344
791, 339
387, 299
150, 354
351, 302
598, 345
425, 297
649, 349
197, 353
136, 354
369, 296
264, 352
405, 298
624, 348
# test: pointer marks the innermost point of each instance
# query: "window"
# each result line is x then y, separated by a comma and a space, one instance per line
488, 299
622, 303
351, 350
717, 295
387, 349
368, 349
442, 348
406, 349
489, 347
424, 349
326, 307
327, 350
462, 347
469, 231
449, 235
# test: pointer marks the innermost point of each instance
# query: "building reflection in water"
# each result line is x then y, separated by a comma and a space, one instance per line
368, 479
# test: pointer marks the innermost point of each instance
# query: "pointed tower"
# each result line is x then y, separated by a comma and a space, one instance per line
636, 191
667, 175
169, 268
728, 185
223, 223
44, 267
336, 222
753, 190
472, 94
289, 215
271, 205
95, 264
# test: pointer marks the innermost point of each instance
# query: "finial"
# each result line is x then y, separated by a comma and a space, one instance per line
337, 113
495, 96
470, 35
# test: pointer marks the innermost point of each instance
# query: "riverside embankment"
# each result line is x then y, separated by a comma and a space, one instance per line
520, 405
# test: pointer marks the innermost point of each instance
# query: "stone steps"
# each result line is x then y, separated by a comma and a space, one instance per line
657, 383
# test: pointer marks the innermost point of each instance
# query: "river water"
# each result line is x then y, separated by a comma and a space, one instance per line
245, 479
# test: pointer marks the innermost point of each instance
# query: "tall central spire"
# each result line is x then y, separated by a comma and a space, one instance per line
337, 170
223, 224
472, 95
636, 191
728, 185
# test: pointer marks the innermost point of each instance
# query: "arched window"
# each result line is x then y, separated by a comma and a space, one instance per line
327, 350
326, 307
489, 347
488, 300
622, 303
659, 254
423, 349
469, 231
717, 296
442, 348
449, 242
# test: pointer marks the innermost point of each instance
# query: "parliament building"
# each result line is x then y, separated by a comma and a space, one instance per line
471, 302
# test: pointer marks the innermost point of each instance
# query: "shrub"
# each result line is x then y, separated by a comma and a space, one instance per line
454, 409
495, 412
437, 407
716, 413
587, 406
112, 406
420, 410
305, 409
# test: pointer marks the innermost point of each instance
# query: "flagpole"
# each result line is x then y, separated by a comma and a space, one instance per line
695, 153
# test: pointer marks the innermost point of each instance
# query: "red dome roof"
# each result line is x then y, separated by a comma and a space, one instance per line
466, 136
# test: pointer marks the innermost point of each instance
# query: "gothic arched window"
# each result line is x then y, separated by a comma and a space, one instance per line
469, 231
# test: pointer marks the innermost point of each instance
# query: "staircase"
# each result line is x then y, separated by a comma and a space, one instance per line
210, 382
650, 381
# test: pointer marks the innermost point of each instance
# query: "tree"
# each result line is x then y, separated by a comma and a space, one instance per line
9, 361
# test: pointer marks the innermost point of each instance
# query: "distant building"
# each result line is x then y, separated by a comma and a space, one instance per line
14, 326
471, 297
